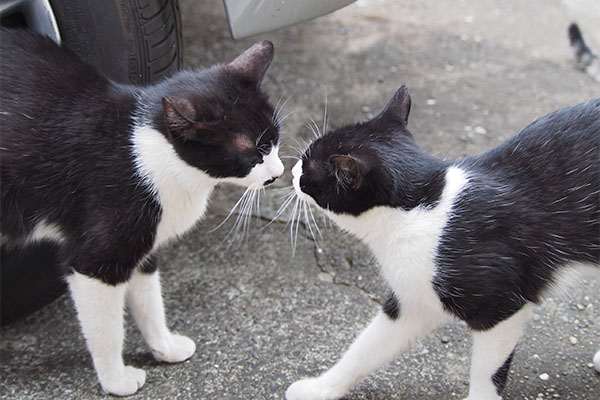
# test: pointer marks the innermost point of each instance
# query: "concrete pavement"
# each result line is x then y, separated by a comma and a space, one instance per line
478, 70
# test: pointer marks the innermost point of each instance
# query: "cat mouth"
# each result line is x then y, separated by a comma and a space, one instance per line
267, 183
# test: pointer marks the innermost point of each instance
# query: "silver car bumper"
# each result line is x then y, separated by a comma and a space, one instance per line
251, 17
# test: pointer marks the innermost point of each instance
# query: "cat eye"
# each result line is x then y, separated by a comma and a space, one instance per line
264, 149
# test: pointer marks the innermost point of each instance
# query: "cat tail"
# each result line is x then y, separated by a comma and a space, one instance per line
585, 57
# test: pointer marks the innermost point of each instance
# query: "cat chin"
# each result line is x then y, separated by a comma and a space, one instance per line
296, 174
261, 174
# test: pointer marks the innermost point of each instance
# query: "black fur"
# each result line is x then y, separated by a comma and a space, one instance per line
392, 307
532, 206
67, 151
501, 375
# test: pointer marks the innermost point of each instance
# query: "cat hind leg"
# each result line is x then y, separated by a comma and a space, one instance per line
145, 302
100, 311
492, 355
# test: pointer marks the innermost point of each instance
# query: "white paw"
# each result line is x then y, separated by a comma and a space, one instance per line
125, 383
176, 348
311, 389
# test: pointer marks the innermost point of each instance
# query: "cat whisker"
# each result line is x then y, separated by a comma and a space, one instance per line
235, 206
314, 220
260, 136
278, 121
307, 220
325, 116
312, 126
292, 222
288, 200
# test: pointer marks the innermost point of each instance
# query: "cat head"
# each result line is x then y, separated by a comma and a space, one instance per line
355, 168
219, 120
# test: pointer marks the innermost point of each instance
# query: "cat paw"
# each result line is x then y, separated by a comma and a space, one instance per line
311, 389
176, 348
125, 383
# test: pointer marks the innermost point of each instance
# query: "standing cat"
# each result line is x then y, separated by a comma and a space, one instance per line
481, 239
112, 172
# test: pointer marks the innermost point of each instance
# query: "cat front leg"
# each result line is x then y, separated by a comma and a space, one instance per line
386, 336
145, 302
492, 355
100, 311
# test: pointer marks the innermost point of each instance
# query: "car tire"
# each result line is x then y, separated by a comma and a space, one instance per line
137, 42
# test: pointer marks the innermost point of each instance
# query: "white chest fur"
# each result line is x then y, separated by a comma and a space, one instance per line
183, 191
405, 242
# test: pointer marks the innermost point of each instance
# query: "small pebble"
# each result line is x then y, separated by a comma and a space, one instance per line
325, 276
365, 109
573, 340
481, 130
544, 376
431, 102
445, 339
580, 307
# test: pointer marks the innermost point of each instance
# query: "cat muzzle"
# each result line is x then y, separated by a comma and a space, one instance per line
267, 183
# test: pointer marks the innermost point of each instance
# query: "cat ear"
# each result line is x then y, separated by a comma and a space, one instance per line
254, 62
399, 106
349, 171
179, 114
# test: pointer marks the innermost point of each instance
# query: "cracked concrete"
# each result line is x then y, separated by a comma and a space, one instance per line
478, 71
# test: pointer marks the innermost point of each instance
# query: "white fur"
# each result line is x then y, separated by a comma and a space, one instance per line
44, 230
491, 348
100, 311
271, 167
145, 302
182, 190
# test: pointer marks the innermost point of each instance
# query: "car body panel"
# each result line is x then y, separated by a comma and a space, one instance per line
252, 17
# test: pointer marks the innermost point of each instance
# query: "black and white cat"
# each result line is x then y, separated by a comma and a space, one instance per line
481, 239
113, 172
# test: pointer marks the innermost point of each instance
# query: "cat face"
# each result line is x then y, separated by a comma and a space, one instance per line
355, 168
218, 120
